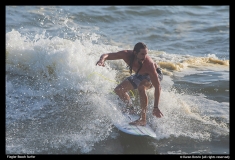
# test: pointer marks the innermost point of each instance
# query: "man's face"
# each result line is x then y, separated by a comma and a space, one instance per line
142, 55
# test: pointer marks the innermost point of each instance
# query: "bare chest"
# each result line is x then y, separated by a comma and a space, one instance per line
142, 69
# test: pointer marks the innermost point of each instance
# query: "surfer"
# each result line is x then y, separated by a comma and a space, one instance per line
147, 74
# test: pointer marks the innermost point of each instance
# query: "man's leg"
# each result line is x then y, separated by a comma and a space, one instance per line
122, 89
144, 85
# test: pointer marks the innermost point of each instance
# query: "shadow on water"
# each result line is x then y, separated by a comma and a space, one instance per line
136, 144
125, 144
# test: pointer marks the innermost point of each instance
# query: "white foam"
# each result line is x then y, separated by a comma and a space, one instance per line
190, 116
47, 68
55, 81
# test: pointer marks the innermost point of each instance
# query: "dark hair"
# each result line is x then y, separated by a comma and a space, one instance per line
137, 48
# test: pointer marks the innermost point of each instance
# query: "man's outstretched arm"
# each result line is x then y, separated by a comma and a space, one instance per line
111, 56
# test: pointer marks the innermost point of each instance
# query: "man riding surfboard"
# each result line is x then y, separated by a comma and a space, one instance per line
147, 74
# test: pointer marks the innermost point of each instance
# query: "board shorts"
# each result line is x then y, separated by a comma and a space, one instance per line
136, 78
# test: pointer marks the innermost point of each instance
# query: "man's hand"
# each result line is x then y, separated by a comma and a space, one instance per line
101, 62
157, 112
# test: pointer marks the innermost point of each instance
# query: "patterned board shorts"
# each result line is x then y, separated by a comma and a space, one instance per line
136, 79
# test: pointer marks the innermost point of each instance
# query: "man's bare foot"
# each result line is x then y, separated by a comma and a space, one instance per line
138, 122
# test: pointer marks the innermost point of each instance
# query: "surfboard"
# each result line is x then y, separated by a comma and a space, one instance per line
125, 127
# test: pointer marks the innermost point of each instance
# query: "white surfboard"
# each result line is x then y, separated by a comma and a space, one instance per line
124, 126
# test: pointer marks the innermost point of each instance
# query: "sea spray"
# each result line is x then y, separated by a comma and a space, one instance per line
57, 96
54, 98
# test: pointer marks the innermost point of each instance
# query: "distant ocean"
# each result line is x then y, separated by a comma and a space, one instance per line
59, 102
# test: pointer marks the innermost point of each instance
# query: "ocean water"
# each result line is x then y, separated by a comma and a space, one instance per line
59, 102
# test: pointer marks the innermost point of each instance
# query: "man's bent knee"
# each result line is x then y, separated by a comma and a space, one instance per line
141, 88
116, 90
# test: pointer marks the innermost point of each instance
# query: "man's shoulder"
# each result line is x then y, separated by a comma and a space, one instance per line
151, 65
150, 61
